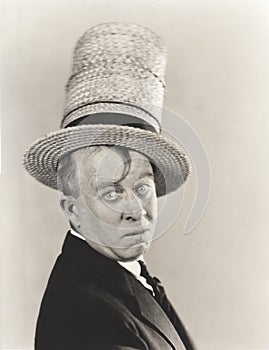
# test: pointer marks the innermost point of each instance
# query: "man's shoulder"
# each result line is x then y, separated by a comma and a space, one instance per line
73, 283
85, 313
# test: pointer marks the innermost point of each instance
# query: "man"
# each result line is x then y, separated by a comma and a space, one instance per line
111, 164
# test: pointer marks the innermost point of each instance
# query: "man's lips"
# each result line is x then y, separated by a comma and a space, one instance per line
136, 233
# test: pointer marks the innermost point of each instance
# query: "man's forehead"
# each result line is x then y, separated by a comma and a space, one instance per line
104, 153
105, 161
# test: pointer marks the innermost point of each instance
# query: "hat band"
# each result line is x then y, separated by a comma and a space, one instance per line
106, 118
120, 111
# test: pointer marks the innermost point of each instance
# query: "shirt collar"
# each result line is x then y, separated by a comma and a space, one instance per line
132, 266
75, 233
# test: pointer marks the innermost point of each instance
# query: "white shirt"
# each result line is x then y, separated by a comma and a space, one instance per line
132, 266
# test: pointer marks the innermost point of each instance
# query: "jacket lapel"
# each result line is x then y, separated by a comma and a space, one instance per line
153, 314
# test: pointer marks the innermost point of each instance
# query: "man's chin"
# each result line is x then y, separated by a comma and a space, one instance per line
115, 252
131, 253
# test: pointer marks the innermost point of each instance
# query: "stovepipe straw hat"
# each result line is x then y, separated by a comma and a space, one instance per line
114, 96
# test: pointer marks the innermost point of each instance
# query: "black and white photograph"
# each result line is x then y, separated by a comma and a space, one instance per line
134, 175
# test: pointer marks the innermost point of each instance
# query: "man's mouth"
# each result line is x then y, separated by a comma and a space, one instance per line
137, 232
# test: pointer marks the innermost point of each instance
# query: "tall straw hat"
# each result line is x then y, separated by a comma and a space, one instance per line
114, 96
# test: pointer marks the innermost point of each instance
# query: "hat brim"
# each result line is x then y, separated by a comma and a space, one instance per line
172, 165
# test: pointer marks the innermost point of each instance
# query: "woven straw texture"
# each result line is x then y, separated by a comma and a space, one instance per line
119, 63
41, 158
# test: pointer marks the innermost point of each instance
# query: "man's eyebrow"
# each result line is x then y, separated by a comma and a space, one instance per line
104, 184
145, 174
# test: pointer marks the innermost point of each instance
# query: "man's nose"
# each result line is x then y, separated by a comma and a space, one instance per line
133, 209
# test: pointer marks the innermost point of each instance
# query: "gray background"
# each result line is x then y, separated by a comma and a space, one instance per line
217, 79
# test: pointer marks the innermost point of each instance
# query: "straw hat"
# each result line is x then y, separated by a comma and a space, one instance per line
114, 96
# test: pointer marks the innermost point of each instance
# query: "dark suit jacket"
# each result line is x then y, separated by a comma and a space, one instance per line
91, 302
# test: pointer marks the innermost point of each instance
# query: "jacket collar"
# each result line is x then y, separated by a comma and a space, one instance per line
132, 266
93, 266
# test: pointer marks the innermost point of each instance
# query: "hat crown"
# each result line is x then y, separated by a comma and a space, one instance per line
117, 67
120, 43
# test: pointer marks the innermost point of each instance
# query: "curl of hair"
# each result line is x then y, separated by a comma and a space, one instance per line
68, 171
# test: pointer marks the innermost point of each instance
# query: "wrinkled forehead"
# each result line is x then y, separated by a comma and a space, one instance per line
105, 161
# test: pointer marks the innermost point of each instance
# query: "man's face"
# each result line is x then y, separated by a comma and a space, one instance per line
117, 206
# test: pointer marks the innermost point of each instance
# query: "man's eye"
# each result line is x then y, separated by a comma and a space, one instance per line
142, 189
111, 196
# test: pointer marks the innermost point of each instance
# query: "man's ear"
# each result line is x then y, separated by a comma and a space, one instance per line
70, 206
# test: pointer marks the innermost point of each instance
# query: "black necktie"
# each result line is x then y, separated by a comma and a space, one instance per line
161, 298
